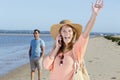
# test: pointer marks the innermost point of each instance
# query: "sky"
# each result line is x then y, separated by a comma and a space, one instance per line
42, 14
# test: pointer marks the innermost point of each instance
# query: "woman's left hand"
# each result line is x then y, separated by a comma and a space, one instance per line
97, 6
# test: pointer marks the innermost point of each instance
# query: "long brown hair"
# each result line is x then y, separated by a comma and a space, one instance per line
64, 48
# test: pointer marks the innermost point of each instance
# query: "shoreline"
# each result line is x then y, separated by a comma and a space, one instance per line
102, 61
15, 71
23, 73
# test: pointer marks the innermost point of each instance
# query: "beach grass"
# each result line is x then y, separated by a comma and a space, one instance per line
114, 39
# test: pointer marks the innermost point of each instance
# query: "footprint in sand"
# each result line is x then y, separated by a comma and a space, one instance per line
113, 78
90, 61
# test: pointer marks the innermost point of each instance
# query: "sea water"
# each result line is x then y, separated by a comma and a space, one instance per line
14, 50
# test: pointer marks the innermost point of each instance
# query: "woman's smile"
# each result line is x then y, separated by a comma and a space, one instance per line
67, 34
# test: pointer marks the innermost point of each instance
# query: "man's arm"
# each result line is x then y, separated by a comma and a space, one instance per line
30, 51
43, 51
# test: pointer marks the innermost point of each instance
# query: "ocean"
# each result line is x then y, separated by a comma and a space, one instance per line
14, 50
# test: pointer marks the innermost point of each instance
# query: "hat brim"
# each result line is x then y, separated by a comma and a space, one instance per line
54, 31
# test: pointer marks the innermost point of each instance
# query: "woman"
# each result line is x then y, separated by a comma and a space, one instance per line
69, 36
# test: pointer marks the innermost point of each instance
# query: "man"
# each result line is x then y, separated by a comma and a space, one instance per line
36, 51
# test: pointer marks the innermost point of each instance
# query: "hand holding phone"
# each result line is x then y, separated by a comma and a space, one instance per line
59, 40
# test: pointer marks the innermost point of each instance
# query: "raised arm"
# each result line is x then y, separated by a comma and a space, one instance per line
95, 10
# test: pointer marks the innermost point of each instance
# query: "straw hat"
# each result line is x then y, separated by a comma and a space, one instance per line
54, 31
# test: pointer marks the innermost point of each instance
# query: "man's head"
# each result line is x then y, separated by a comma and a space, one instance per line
36, 34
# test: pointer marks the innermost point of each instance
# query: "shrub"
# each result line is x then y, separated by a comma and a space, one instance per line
114, 39
119, 42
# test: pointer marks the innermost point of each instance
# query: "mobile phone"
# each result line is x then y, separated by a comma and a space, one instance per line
60, 41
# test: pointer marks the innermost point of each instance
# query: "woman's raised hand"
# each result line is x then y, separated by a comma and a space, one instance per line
97, 6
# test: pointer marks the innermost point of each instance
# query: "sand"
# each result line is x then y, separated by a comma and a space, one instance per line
102, 61
23, 73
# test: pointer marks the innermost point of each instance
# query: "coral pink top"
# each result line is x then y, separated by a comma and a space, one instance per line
65, 71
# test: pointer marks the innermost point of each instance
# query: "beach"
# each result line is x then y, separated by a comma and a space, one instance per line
102, 60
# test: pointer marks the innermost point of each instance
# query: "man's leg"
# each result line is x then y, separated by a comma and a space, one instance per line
32, 64
39, 74
39, 68
32, 75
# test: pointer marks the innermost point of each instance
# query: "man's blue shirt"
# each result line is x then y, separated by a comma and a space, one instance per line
36, 46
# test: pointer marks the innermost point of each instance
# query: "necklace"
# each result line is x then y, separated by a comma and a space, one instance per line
61, 56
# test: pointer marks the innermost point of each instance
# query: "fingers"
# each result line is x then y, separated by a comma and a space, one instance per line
58, 39
102, 3
99, 3
58, 43
97, 6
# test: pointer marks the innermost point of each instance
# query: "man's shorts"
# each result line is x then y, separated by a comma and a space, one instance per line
36, 63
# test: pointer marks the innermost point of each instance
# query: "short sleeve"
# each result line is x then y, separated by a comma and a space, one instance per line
42, 43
